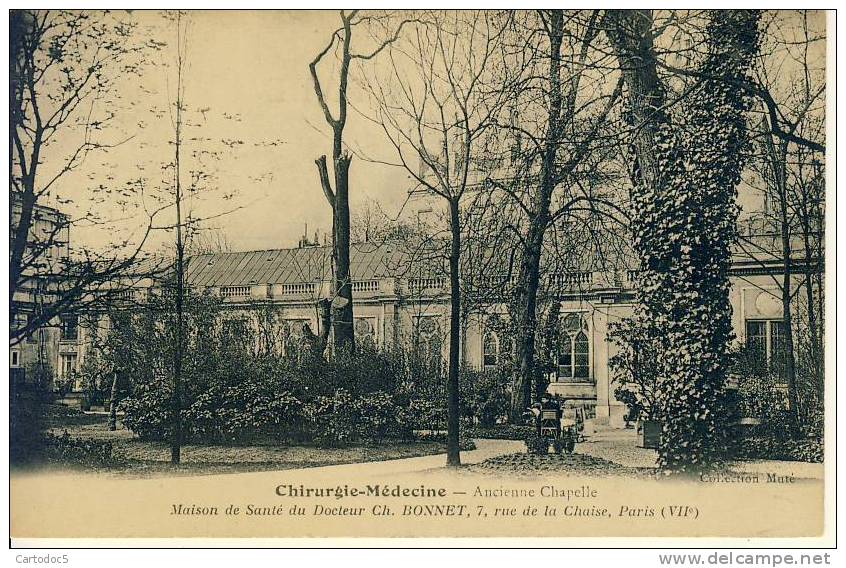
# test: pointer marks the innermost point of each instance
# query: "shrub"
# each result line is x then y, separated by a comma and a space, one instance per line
67, 450
246, 411
255, 414
466, 444
230, 393
630, 399
421, 414
535, 444
376, 415
484, 395
332, 419
366, 371
769, 448
147, 411
761, 394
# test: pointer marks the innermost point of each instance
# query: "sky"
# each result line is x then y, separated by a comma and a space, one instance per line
248, 72
250, 96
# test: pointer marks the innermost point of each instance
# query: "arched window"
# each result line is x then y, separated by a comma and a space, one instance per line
581, 352
490, 350
574, 347
565, 357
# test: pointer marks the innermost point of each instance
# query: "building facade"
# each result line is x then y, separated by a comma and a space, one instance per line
51, 347
396, 302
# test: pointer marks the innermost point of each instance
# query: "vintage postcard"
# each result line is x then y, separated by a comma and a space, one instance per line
421, 274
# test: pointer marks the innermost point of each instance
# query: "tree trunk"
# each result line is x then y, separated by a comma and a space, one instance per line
630, 34
789, 353
813, 326
324, 308
528, 279
343, 337
176, 400
19, 242
113, 403
786, 289
526, 304
812, 265
453, 425
342, 319
778, 158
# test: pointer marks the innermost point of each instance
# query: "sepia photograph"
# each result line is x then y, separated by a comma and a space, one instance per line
421, 274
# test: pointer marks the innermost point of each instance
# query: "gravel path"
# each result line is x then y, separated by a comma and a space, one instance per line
618, 446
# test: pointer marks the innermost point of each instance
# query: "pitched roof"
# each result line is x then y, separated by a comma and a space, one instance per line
368, 261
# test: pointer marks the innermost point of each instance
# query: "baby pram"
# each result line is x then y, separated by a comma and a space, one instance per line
551, 426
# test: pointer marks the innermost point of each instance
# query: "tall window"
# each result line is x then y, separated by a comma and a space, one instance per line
14, 358
67, 364
490, 350
574, 347
766, 339
70, 327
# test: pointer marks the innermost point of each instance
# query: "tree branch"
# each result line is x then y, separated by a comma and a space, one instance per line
323, 172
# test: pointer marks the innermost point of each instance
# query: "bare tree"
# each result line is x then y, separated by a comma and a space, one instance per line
560, 114
63, 68
179, 272
436, 98
792, 189
337, 194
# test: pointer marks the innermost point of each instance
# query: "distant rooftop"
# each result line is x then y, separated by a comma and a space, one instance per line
368, 261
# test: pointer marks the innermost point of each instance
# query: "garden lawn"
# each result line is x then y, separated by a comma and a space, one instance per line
139, 458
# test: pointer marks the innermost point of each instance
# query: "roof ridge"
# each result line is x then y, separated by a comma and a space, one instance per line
289, 249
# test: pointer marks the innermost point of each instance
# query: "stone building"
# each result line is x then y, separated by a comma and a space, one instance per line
398, 299
46, 253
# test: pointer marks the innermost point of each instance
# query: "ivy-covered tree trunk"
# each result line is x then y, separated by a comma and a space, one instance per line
684, 223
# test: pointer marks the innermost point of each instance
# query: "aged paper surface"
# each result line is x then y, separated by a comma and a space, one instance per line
569, 507
253, 224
